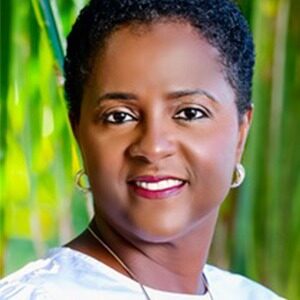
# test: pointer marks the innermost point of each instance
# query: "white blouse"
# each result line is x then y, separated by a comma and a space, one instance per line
69, 274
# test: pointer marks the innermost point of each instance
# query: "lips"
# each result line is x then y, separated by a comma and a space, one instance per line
156, 187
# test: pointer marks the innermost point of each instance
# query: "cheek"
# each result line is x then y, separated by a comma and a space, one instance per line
102, 160
100, 151
213, 157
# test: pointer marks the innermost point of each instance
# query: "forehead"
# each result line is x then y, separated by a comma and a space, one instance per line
155, 36
164, 54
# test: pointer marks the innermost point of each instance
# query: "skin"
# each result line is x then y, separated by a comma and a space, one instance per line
179, 119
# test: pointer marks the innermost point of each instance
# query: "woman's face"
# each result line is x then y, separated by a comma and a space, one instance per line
158, 131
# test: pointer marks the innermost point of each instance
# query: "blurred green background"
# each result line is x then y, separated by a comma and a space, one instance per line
258, 233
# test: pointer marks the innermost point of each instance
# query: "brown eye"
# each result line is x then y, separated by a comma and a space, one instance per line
118, 117
190, 114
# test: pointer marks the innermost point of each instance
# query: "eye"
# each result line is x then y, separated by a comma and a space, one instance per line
190, 114
118, 117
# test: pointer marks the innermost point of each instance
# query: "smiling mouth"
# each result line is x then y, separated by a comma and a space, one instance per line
157, 188
160, 185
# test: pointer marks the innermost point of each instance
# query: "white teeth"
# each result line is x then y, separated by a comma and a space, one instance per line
158, 186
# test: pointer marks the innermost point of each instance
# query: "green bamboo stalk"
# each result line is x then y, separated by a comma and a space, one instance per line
292, 286
45, 16
292, 158
5, 50
276, 148
6, 16
244, 254
62, 165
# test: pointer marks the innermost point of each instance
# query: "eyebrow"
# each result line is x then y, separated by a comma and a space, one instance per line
185, 93
117, 96
172, 95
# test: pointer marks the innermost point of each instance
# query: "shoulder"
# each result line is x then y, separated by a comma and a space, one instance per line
66, 274
36, 279
26, 282
232, 286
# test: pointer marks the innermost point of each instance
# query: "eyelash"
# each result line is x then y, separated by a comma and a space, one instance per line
190, 109
107, 117
118, 122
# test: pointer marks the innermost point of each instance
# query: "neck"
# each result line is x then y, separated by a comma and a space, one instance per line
165, 265
161, 266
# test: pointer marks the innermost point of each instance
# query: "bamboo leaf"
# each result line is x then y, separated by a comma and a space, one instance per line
45, 15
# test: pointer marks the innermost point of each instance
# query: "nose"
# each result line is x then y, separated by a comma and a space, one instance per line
154, 142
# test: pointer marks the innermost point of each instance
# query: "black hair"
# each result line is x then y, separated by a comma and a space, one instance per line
220, 22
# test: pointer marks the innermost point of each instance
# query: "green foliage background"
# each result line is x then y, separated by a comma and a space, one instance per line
258, 233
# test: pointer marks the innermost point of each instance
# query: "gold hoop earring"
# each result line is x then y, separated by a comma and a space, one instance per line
78, 182
239, 176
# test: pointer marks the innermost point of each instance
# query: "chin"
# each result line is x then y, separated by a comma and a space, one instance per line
159, 233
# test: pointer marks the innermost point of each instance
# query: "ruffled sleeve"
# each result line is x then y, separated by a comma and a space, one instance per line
25, 284
21, 291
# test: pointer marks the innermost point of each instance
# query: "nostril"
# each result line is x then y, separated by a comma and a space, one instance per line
153, 142
150, 153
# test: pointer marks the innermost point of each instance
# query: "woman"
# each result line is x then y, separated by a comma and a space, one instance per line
159, 96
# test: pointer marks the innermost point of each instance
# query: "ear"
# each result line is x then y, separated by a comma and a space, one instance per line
244, 127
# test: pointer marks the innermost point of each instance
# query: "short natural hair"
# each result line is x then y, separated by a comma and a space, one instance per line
220, 22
